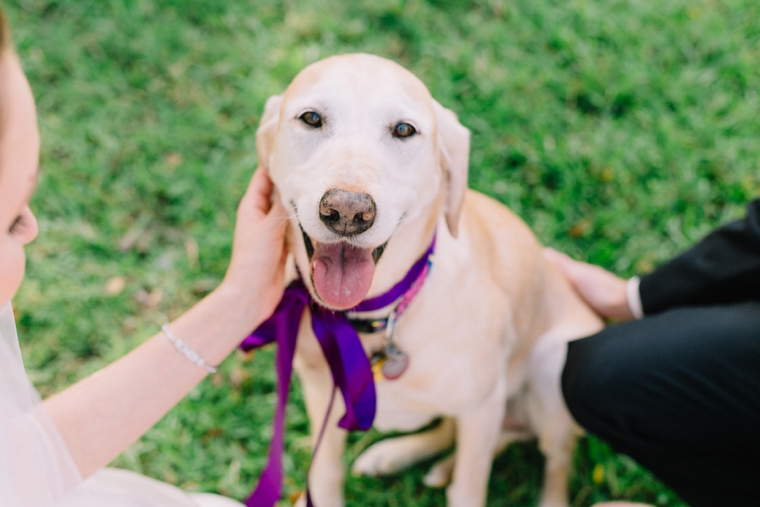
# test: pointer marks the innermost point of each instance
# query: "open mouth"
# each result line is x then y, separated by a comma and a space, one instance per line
341, 273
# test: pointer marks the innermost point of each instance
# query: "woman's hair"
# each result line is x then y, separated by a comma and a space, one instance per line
5, 43
5, 36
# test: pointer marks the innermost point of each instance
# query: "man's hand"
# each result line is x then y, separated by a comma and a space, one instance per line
604, 292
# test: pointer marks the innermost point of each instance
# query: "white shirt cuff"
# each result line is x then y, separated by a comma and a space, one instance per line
634, 297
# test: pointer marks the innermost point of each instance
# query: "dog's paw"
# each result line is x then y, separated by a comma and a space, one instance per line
440, 475
385, 457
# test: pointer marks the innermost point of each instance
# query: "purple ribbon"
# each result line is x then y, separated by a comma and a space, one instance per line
349, 365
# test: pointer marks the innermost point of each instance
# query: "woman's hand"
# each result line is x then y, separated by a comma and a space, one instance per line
256, 271
604, 292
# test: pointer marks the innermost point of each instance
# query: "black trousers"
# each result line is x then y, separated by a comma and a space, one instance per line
680, 393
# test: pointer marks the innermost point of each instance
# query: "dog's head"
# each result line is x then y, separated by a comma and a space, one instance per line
357, 148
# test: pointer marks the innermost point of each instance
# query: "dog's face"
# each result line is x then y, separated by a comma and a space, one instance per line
356, 147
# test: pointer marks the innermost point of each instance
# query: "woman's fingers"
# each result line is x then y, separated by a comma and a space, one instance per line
258, 197
277, 210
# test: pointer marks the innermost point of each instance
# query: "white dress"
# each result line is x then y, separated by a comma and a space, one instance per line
36, 469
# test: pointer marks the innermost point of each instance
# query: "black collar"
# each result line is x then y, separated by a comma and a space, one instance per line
369, 326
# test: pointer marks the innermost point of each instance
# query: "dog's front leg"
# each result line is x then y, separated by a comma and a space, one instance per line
327, 475
477, 438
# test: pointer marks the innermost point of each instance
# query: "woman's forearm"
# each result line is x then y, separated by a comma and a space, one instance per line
103, 414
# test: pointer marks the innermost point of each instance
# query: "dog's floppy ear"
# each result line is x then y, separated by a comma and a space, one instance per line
267, 129
454, 155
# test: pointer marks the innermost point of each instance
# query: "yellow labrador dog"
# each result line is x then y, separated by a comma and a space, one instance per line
371, 168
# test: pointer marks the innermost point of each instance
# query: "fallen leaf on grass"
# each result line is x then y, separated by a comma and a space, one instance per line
580, 229
130, 324
191, 247
173, 159
149, 299
204, 286
598, 474
115, 285
246, 357
239, 375
295, 495
134, 233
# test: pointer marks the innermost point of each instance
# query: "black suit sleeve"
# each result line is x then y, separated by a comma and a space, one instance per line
722, 268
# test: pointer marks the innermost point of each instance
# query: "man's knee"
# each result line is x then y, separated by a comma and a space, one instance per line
585, 384
603, 381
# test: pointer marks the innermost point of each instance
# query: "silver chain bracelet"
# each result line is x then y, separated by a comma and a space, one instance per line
186, 350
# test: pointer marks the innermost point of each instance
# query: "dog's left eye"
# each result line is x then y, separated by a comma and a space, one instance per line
311, 118
404, 130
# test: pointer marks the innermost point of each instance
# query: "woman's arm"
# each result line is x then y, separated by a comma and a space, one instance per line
103, 414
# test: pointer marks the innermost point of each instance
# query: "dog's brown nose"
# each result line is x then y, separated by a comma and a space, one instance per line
347, 213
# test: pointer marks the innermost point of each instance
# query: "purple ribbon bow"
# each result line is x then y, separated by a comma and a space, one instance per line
349, 365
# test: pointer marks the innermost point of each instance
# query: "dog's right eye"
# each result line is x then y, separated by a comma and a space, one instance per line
312, 119
403, 130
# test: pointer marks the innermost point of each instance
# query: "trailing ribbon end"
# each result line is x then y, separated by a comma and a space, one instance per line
281, 327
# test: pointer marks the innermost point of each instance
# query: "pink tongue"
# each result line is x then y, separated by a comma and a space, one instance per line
342, 274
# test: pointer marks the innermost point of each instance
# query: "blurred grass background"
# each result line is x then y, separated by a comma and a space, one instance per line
620, 130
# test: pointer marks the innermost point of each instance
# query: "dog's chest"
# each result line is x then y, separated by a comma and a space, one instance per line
456, 353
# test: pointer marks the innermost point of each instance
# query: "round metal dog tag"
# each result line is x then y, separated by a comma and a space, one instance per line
395, 366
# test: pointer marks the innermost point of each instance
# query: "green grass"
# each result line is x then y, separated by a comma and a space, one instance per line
620, 130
